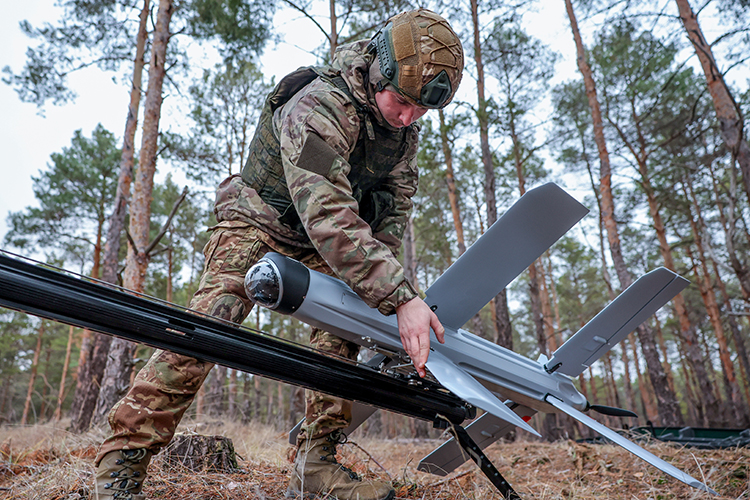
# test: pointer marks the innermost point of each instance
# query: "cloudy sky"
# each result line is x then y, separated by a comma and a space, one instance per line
27, 138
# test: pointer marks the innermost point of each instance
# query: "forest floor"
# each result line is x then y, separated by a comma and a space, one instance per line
45, 462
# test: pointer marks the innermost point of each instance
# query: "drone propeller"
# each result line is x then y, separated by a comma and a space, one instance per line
612, 411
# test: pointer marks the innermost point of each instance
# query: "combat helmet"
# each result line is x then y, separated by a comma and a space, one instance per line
421, 56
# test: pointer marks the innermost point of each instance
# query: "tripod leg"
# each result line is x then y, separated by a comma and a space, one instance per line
489, 470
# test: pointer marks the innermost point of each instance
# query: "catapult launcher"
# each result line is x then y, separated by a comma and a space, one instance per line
465, 373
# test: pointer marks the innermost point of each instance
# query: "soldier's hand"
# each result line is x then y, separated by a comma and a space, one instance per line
415, 318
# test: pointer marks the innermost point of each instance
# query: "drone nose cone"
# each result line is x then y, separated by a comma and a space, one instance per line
278, 283
263, 284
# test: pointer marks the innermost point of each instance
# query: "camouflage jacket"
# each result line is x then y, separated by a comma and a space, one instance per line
323, 193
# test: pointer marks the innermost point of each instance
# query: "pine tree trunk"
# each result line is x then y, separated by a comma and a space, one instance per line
536, 309
87, 384
63, 377
556, 332
547, 319
170, 268
716, 418
668, 405
649, 405
706, 288
602, 246
536, 276
611, 380
140, 205
607, 387
502, 325
269, 402
298, 403
712, 378
6, 406
200, 402
216, 392
120, 365
334, 36
739, 343
122, 196
87, 344
696, 410
728, 223
451, 182
663, 351
232, 395
32, 378
102, 343
628, 382
256, 398
45, 388
687, 330
91, 363
727, 110
592, 384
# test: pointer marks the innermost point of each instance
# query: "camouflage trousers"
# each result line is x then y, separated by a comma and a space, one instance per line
165, 387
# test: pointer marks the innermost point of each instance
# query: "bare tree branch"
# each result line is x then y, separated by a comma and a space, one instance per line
168, 223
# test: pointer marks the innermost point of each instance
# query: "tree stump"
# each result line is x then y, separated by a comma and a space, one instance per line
199, 453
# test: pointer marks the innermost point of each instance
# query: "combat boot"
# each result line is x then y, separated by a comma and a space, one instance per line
120, 475
316, 472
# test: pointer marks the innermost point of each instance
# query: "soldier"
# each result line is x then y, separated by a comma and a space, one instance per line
329, 180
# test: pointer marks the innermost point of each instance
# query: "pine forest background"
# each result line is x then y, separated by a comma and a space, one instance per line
647, 132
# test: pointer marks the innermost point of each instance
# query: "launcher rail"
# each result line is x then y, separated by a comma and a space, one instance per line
70, 299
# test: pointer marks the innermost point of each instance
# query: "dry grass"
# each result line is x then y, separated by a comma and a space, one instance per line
46, 462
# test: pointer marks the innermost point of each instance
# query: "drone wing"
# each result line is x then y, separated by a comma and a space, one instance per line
629, 445
535, 222
631, 308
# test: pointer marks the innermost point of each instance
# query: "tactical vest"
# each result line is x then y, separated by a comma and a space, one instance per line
375, 154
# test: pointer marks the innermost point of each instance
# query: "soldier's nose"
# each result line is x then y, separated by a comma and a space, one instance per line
407, 115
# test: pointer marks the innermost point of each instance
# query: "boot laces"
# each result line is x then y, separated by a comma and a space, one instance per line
336, 438
126, 479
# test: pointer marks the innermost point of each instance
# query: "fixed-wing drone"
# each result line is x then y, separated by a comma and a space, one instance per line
510, 388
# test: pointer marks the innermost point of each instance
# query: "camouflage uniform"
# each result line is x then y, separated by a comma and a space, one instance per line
330, 181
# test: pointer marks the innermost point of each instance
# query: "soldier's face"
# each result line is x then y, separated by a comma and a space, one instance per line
396, 110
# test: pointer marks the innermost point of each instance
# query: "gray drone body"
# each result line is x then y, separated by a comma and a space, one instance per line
509, 387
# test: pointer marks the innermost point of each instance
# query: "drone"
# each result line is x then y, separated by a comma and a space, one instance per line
509, 387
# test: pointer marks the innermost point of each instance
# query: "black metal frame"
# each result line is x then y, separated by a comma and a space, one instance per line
473, 450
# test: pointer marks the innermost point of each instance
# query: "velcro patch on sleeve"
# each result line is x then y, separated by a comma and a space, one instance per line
317, 156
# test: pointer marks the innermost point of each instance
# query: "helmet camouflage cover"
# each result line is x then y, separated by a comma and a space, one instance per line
421, 56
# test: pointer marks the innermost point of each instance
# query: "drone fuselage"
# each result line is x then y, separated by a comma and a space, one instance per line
331, 305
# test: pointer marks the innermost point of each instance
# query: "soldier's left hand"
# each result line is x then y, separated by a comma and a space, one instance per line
415, 318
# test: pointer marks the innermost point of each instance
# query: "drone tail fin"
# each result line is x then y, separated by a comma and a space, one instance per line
623, 315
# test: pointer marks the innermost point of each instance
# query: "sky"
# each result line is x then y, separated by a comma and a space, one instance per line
28, 138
